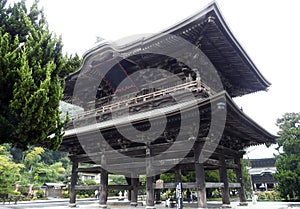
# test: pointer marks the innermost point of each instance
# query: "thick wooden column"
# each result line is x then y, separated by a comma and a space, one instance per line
177, 176
200, 179
149, 180
129, 191
134, 192
74, 177
239, 175
103, 189
224, 180
150, 192
178, 179
200, 182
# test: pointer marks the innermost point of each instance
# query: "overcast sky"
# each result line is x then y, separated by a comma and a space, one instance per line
268, 30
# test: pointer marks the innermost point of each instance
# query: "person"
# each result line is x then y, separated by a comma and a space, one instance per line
96, 194
188, 195
254, 198
198, 78
187, 73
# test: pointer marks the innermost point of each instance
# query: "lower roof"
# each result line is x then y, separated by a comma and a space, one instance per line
240, 130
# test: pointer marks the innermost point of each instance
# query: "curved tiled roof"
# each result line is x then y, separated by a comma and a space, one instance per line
208, 31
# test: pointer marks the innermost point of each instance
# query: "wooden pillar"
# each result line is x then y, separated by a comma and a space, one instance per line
74, 177
177, 176
134, 192
224, 180
239, 175
150, 192
129, 191
200, 182
254, 186
178, 179
103, 189
200, 179
149, 179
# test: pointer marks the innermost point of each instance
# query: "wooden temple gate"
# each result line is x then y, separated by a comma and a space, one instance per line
187, 142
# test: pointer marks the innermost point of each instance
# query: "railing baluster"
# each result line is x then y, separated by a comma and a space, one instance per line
145, 97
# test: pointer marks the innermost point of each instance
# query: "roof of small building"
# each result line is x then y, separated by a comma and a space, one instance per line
263, 163
55, 185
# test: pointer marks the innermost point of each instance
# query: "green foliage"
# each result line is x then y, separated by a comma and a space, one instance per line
87, 193
32, 68
29, 168
9, 172
167, 177
90, 182
288, 162
117, 180
40, 193
269, 196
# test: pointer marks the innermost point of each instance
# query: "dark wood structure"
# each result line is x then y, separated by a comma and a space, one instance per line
261, 173
187, 142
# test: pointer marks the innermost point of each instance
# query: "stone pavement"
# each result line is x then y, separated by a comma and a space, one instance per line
93, 204
216, 205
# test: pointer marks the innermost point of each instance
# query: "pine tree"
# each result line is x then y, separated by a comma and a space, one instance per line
32, 68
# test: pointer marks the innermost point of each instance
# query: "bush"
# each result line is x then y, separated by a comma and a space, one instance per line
34, 198
269, 195
90, 182
66, 195
40, 194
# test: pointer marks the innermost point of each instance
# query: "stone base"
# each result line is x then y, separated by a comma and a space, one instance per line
134, 204
150, 207
243, 204
103, 206
72, 205
225, 206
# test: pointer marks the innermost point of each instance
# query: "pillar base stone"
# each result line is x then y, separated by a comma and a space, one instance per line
150, 207
243, 204
72, 205
103, 206
133, 204
225, 206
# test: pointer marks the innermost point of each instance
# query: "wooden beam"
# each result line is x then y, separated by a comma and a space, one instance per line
94, 187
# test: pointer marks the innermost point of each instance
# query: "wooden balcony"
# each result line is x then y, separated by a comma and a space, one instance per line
138, 103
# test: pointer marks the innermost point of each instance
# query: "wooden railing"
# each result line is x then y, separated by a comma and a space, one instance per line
192, 85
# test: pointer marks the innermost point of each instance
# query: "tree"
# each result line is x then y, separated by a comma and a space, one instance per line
288, 161
32, 68
9, 172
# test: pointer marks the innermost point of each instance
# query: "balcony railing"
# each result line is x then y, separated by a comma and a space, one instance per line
192, 86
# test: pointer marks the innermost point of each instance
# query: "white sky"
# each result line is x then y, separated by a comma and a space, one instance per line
268, 30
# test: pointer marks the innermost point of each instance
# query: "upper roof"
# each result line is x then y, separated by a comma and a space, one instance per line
263, 163
207, 30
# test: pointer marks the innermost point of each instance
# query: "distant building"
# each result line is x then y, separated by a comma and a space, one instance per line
261, 173
53, 189
90, 176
